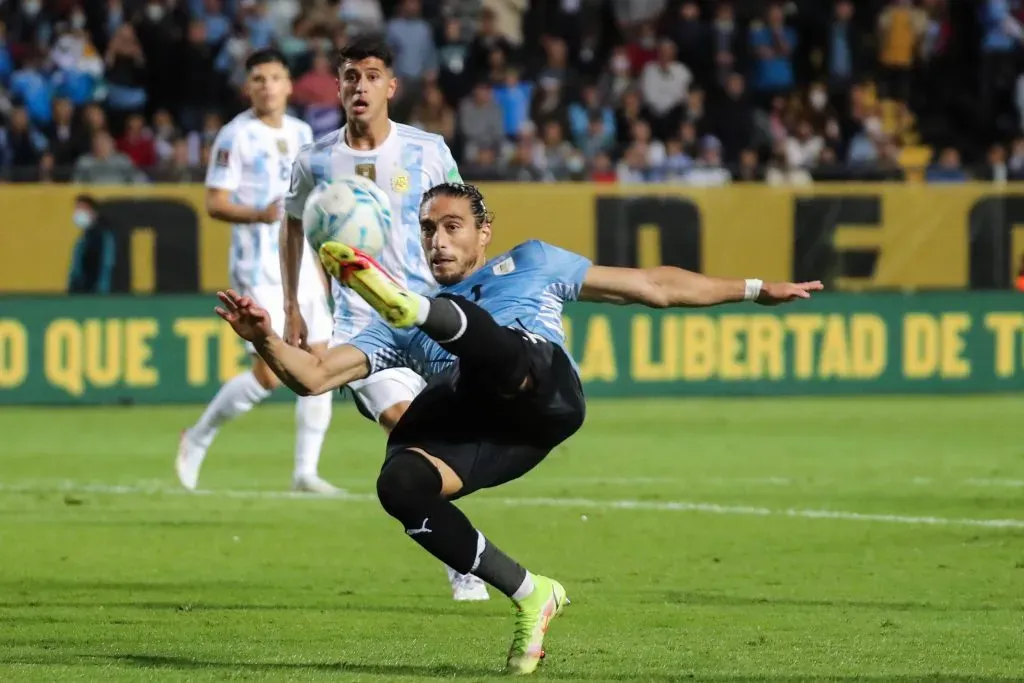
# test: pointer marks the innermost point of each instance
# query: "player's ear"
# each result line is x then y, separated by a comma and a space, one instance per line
484, 234
392, 86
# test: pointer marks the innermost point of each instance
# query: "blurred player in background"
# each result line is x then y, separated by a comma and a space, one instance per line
405, 162
250, 167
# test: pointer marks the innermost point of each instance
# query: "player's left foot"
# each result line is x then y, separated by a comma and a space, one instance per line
312, 483
367, 278
536, 611
188, 461
466, 587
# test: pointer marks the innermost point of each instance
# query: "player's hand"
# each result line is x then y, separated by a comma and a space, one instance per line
295, 331
271, 213
774, 293
248, 320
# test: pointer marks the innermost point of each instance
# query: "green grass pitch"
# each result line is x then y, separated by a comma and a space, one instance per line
722, 540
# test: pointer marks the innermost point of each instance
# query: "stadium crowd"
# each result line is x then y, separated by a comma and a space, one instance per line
698, 92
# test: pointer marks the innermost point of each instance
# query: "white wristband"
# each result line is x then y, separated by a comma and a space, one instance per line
752, 289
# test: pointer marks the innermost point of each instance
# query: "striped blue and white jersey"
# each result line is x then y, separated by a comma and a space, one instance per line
524, 288
253, 162
404, 166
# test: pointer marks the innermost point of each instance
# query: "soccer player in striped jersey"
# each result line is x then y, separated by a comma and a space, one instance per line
248, 176
405, 162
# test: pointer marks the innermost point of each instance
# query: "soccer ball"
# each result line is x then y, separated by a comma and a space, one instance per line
349, 209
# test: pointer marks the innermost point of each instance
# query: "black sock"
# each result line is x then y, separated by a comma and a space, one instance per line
409, 488
499, 570
465, 330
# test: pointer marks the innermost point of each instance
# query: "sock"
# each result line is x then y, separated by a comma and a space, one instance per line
312, 417
237, 396
501, 571
465, 330
409, 488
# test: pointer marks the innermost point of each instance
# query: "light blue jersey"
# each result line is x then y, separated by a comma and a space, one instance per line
524, 288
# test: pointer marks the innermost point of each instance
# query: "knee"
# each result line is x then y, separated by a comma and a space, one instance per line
390, 417
406, 479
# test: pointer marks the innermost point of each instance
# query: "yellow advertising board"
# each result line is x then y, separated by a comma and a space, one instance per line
857, 237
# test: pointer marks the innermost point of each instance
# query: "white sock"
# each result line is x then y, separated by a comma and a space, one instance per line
424, 308
312, 417
525, 588
237, 396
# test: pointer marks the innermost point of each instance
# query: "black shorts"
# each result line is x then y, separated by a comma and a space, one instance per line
488, 439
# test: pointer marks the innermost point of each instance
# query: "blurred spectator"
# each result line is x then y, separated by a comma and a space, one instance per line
549, 104
217, 24
508, 18
654, 150
65, 140
732, 120
630, 111
482, 165
164, 134
556, 67
481, 120
48, 169
94, 254
677, 162
453, 62
804, 147
524, 167
201, 88
948, 170
634, 169
104, 165
126, 71
901, 26
488, 41
644, 49
30, 85
995, 168
780, 172
412, 39
559, 157
361, 16
513, 96
137, 143
842, 49
1000, 45
177, 168
433, 114
749, 170
1016, 162
257, 22
78, 67
618, 79
582, 113
630, 13
691, 37
318, 86
773, 44
727, 41
665, 85
6, 61
709, 170
602, 170
23, 146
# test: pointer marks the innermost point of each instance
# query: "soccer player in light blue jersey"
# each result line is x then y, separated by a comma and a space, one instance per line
502, 390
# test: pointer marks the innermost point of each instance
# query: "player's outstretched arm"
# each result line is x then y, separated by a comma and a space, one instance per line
220, 206
304, 373
668, 287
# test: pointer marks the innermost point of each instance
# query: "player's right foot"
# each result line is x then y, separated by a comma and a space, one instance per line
189, 460
312, 483
367, 278
536, 611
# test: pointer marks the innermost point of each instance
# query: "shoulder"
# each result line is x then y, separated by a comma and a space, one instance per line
304, 130
318, 146
234, 130
431, 141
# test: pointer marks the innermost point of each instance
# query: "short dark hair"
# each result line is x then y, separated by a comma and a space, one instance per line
365, 47
462, 191
267, 55
88, 200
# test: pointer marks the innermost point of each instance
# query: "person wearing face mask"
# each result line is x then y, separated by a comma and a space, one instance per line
95, 251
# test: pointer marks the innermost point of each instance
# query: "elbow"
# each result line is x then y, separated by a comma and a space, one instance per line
657, 297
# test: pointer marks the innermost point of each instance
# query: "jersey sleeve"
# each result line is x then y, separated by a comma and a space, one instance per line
301, 184
382, 346
225, 169
566, 267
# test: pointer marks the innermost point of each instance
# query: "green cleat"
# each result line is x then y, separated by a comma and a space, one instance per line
367, 278
536, 611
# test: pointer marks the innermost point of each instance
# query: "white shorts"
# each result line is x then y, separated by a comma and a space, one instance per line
385, 388
312, 304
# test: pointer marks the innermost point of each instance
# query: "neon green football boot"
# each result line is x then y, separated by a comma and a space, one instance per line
536, 611
367, 278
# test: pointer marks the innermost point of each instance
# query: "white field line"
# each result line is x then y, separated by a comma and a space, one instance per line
577, 503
